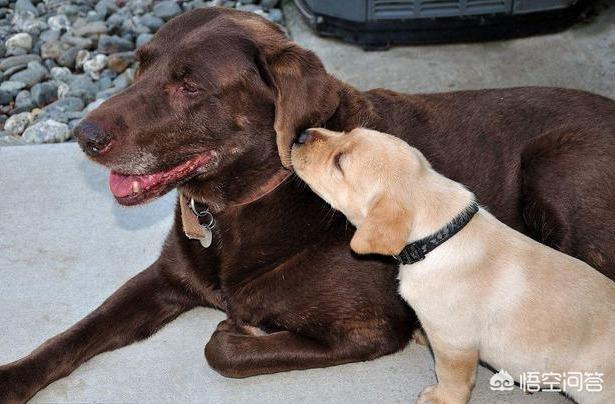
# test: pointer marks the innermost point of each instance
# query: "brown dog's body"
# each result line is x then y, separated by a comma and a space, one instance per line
487, 291
540, 159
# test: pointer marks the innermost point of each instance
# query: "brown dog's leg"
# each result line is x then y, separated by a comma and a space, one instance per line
456, 373
137, 310
234, 351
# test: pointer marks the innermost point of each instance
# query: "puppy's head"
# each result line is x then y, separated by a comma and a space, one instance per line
368, 176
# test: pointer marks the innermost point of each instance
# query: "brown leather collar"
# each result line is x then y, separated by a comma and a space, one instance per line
195, 229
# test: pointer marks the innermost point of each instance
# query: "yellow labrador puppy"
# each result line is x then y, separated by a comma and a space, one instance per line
480, 289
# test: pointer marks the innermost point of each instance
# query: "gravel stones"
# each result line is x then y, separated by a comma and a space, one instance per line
26, 7
90, 28
113, 44
118, 62
59, 56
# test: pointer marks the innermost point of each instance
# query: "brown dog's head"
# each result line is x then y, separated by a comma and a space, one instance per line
215, 91
371, 177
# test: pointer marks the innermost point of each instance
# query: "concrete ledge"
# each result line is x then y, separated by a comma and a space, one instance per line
65, 246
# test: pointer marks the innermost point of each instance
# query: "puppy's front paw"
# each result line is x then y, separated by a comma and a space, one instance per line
435, 395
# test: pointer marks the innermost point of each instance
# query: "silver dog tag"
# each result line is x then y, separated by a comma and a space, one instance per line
207, 237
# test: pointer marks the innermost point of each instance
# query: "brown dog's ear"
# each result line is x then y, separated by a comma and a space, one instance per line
306, 96
385, 229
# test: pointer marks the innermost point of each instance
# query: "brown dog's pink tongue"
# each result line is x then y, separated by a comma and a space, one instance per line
125, 185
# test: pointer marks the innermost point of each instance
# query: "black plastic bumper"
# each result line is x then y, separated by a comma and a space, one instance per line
383, 34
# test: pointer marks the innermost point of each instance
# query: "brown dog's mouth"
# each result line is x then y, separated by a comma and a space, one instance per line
135, 189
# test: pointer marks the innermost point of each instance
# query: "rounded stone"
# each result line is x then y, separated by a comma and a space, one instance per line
59, 22
269, 4
68, 104
166, 9
275, 15
48, 131
53, 50
81, 57
12, 86
32, 75
68, 57
26, 6
95, 65
16, 124
118, 62
21, 40
44, 93
49, 35
142, 39
23, 101
114, 43
13, 61
91, 28
5, 97
60, 73
151, 21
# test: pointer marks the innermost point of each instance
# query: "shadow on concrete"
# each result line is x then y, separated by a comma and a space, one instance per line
128, 218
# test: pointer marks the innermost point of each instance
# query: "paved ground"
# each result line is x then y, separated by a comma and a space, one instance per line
582, 57
65, 245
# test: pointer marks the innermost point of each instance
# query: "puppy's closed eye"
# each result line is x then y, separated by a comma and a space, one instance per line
337, 162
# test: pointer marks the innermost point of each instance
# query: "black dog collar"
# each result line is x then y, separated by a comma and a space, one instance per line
416, 251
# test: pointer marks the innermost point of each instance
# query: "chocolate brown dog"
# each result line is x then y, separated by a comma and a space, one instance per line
219, 96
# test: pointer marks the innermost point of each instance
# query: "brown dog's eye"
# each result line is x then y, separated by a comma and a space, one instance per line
336, 162
188, 88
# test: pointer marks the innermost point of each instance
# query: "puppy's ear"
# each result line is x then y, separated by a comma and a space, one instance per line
385, 229
305, 95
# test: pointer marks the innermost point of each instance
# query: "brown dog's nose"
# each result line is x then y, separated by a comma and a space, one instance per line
93, 140
303, 137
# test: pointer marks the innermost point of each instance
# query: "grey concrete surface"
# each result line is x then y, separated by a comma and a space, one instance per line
582, 57
65, 246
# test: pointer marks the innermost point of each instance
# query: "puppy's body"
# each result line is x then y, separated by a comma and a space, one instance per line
489, 292
523, 306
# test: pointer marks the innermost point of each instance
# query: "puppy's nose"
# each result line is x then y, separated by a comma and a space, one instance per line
303, 137
94, 141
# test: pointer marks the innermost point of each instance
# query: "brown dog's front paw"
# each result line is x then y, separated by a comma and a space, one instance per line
228, 325
13, 389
